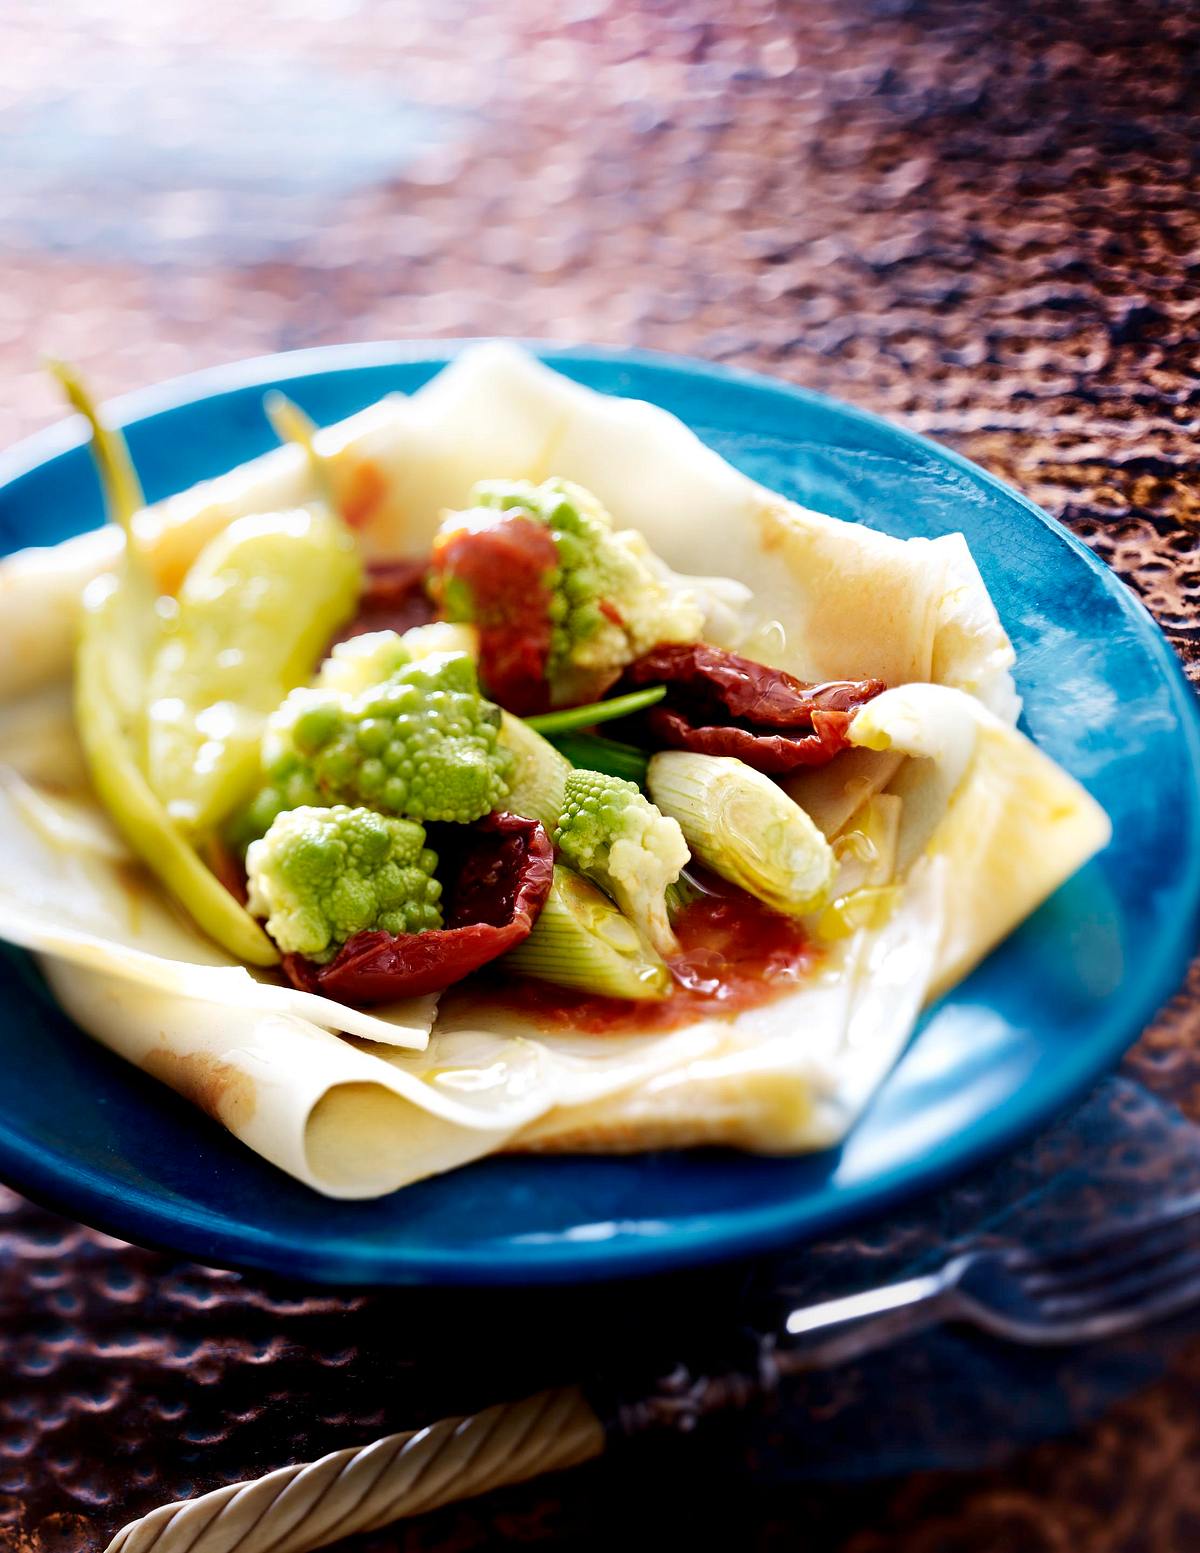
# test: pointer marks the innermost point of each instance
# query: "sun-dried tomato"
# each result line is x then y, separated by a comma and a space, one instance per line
719, 703
496, 875
393, 598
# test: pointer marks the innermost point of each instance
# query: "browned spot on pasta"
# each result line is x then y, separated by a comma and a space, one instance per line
772, 527
222, 1091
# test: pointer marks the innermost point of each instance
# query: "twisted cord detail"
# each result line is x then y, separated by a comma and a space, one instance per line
312, 1504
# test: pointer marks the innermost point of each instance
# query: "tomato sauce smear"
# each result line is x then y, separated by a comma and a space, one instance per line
501, 564
735, 954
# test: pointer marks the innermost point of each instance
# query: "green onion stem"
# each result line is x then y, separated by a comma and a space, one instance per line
572, 717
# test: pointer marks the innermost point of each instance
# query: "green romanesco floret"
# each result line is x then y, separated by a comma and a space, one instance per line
421, 741
612, 600
320, 875
609, 831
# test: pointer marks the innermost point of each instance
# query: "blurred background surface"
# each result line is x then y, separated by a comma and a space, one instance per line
983, 217
979, 216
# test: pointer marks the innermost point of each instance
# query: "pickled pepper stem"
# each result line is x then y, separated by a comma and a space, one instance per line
551, 723
292, 424
118, 478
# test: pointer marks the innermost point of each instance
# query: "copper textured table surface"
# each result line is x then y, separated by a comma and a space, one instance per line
982, 219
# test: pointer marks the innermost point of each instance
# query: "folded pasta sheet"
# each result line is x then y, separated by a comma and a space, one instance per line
980, 825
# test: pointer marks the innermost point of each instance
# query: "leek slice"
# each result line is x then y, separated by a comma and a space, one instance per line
581, 940
741, 825
538, 776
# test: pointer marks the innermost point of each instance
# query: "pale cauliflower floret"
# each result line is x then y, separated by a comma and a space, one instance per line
362, 661
609, 831
722, 605
319, 876
654, 610
374, 656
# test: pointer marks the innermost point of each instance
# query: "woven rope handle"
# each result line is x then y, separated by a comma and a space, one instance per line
307, 1506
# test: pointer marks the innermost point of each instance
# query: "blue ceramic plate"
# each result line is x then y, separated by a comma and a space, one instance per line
1029, 1031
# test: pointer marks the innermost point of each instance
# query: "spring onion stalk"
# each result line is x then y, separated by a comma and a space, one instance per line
118, 626
572, 717
581, 940
612, 757
738, 823
538, 775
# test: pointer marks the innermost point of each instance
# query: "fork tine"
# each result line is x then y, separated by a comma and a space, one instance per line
1155, 1243
1022, 1259
1111, 1322
1137, 1286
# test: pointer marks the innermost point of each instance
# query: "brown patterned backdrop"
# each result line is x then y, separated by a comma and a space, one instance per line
979, 216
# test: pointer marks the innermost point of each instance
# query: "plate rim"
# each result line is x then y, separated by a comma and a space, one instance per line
632, 1250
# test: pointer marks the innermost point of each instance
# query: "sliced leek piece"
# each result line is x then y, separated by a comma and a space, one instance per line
538, 776
741, 825
581, 940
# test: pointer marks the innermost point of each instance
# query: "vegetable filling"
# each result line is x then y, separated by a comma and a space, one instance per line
392, 818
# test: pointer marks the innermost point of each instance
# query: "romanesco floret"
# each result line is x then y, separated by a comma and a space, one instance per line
609, 603
320, 875
615, 836
421, 742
